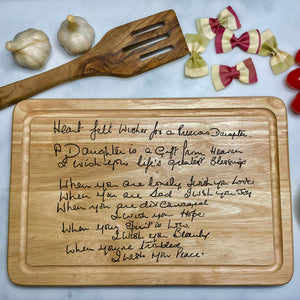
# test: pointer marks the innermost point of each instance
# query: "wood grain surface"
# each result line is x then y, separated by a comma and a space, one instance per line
189, 191
124, 51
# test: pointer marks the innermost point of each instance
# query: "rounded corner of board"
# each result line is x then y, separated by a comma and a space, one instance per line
21, 109
14, 274
276, 105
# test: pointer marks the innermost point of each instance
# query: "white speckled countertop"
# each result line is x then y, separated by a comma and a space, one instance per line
281, 17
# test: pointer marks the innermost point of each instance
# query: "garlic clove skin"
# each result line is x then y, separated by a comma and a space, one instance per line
30, 48
76, 35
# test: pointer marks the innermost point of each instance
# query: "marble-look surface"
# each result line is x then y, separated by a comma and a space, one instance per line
281, 17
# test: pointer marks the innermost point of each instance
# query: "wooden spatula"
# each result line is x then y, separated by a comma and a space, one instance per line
124, 51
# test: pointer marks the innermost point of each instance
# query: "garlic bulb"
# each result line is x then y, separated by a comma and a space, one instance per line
30, 48
76, 35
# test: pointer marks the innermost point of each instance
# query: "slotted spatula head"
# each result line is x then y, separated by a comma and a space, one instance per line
136, 47
124, 51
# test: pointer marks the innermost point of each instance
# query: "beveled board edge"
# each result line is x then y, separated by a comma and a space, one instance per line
22, 274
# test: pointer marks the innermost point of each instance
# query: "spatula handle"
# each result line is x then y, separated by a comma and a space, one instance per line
14, 92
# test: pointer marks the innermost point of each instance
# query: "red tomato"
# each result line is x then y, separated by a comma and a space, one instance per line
293, 79
296, 104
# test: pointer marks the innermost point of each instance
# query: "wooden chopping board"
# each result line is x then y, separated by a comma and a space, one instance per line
150, 192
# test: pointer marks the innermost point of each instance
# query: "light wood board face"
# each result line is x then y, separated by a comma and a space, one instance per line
150, 192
